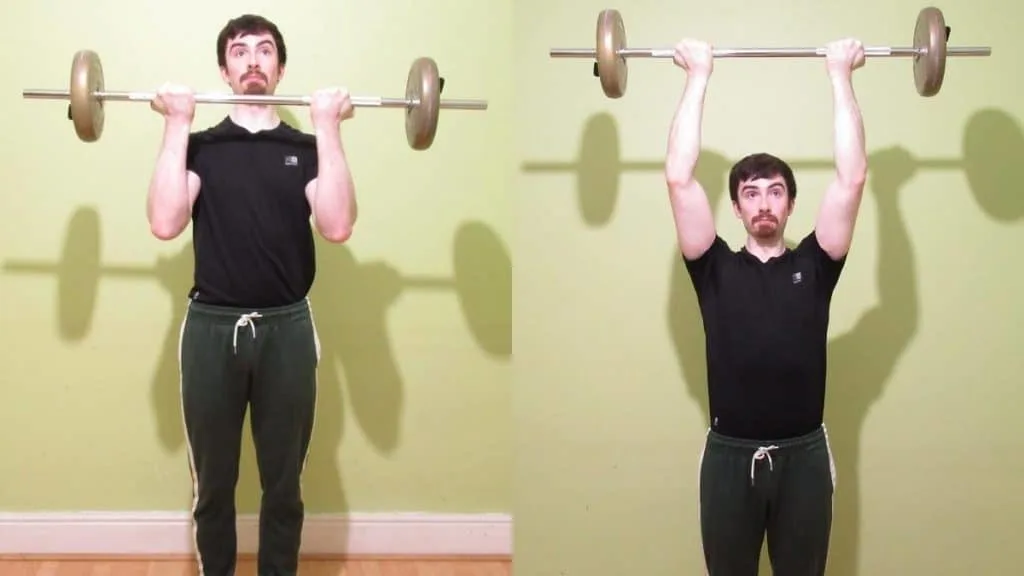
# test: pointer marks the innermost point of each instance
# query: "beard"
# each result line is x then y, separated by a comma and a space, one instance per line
254, 83
764, 226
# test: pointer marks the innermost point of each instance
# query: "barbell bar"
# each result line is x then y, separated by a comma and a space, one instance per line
928, 53
422, 101
481, 281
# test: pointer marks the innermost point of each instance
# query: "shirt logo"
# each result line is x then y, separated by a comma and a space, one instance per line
797, 278
291, 161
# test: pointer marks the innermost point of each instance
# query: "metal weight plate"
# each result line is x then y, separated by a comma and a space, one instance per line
424, 86
611, 67
86, 111
930, 68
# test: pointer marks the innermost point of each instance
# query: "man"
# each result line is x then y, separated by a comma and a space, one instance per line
250, 186
766, 466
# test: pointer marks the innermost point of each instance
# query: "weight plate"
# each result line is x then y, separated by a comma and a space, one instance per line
86, 110
423, 86
611, 66
930, 67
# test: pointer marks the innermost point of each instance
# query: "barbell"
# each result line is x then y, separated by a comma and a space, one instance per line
422, 102
991, 148
482, 279
928, 53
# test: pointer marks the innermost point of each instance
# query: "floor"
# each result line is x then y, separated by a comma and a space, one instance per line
246, 567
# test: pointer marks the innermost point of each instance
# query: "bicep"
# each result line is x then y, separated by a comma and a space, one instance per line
194, 183
837, 218
694, 220
311, 192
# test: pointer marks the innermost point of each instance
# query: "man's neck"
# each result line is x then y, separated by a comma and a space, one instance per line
255, 118
766, 248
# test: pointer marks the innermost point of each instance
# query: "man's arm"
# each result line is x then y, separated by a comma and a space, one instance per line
691, 210
173, 189
839, 208
331, 194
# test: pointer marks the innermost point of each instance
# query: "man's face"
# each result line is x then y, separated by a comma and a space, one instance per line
252, 65
764, 207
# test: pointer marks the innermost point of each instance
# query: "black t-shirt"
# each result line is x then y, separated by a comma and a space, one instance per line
251, 228
766, 333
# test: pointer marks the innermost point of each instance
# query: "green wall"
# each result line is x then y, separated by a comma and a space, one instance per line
414, 405
610, 401
591, 437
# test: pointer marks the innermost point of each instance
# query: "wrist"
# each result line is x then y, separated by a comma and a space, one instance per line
698, 80
840, 79
176, 129
326, 129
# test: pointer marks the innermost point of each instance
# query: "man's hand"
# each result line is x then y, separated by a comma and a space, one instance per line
330, 107
175, 102
842, 57
695, 57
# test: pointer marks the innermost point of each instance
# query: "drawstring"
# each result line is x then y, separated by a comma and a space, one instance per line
761, 453
243, 320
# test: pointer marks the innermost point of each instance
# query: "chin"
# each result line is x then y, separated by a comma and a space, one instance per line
761, 231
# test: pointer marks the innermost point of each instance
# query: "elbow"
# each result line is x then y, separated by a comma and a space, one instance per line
677, 178
854, 178
336, 234
853, 171
678, 182
164, 230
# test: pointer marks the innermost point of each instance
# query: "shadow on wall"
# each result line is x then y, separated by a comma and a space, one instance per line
862, 360
992, 146
350, 301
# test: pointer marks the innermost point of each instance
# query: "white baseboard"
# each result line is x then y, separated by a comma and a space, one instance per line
170, 533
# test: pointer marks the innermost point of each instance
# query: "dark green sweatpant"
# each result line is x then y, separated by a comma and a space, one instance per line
782, 488
264, 360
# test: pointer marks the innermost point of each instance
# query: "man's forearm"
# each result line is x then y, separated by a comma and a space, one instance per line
167, 204
686, 132
850, 148
334, 209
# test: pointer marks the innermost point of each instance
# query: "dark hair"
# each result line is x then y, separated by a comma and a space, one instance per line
249, 24
760, 165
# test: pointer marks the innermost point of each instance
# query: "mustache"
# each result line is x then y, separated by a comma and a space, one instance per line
253, 74
764, 218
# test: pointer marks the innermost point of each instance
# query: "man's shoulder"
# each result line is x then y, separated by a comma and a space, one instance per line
719, 247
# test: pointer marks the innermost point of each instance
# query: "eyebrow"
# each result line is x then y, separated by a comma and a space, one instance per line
237, 44
772, 185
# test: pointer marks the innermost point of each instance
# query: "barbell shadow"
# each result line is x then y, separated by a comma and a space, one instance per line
350, 304
991, 146
861, 361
